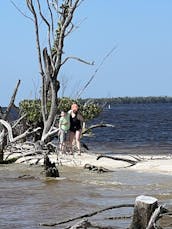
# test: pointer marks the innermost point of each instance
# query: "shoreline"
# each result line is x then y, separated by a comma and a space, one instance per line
148, 161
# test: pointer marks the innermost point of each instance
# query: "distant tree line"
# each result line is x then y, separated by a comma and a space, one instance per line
132, 100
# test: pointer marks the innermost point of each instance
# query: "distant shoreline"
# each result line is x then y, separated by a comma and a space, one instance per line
131, 100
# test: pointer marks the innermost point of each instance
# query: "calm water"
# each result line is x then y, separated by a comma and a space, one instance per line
141, 126
25, 203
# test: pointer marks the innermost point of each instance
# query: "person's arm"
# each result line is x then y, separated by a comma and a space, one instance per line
60, 123
80, 117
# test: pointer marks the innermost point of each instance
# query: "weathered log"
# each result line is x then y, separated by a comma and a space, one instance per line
131, 162
143, 210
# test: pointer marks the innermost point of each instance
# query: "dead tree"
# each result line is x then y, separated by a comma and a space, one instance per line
51, 57
4, 115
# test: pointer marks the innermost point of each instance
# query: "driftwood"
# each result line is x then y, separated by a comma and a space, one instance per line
19, 137
98, 169
81, 224
87, 215
156, 216
146, 214
131, 162
50, 168
143, 210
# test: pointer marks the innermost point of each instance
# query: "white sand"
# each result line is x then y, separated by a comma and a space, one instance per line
150, 164
161, 164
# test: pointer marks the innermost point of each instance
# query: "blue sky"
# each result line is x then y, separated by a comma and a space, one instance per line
141, 65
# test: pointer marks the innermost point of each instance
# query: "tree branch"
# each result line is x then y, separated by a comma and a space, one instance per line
21, 11
19, 137
12, 100
88, 214
94, 74
96, 126
118, 159
78, 59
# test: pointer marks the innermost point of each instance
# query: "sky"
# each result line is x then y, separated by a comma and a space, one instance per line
140, 65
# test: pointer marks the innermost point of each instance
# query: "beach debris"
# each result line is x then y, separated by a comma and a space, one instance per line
98, 169
131, 162
50, 167
146, 215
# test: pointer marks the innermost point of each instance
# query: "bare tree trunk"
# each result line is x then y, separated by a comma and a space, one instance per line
48, 124
50, 56
4, 116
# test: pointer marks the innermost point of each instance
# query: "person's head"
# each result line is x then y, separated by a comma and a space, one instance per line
63, 113
74, 107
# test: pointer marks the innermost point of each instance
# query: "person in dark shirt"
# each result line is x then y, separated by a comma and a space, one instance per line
76, 121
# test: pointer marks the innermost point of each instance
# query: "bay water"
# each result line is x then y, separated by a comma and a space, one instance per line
27, 202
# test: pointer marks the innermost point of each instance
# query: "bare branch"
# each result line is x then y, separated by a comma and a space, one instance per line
12, 100
19, 120
78, 59
73, 28
32, 10
155, 216
64, 24
118, 159
89, 214
96, 126
21, 11
51, 15
49, 30
21, 136
94, 74
52, 132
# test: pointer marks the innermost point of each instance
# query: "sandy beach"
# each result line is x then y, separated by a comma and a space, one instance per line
148, 163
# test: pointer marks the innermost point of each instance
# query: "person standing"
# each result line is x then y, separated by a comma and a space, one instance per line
64, 125
75, 130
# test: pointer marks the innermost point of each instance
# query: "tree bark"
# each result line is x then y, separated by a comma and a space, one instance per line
144, 207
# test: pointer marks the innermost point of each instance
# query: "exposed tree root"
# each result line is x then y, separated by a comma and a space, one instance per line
87, 215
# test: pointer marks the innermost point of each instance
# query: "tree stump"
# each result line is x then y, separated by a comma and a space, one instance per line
143, 209
50, 168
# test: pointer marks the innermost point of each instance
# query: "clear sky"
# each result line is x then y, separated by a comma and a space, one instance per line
141, 65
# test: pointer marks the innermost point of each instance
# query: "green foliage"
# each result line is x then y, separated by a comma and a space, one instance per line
32, 108
65, 103
90, 111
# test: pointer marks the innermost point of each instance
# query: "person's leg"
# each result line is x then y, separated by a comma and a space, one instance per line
62, 141
71, 138
77, 138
